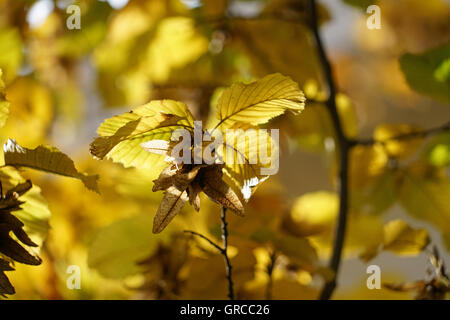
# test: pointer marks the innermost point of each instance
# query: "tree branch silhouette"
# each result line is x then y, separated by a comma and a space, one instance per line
344, 146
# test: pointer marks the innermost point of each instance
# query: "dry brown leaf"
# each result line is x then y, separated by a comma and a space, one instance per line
216, 189
194, 190
186, 176
165, 179
173, 201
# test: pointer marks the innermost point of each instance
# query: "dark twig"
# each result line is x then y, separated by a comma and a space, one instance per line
228, 18
270, 267
405, 136
205, 238
223, 250
225, 254
343, 145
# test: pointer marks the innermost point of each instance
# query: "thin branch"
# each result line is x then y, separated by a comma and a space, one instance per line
405, 136
225, 254
226, 18
270, 267
205, 238
223, 250
344, 147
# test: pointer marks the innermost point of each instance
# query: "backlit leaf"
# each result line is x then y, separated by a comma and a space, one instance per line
250, 157
259, 101
120, 137
48, 159
400, 238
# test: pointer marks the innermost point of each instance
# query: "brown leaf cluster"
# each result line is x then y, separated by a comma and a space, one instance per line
183, 183
10, 248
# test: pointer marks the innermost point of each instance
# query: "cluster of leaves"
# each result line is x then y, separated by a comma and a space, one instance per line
126, 137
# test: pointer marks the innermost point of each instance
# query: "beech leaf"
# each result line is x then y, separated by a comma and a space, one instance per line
48, 159
258, 102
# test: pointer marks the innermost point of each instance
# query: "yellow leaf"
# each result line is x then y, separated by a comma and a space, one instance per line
48, 159
120, 137
347, 114
31, 112
397, 148
250, 156
425, 194
11, 55
362, 231
4, 104
176, 43
376, 197
259, 101
400, 238
313, 213
299, 250
367, 163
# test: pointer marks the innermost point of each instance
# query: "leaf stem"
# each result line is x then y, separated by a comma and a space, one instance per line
344, 146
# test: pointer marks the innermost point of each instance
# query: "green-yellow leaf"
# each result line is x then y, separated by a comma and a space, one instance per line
425, 195
437, 151
299, 250
400, 238
117, 249
48, 159
259, 101
120, 137
428, 73
376, 197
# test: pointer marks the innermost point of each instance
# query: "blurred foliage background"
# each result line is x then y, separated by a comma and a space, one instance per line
62, 83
